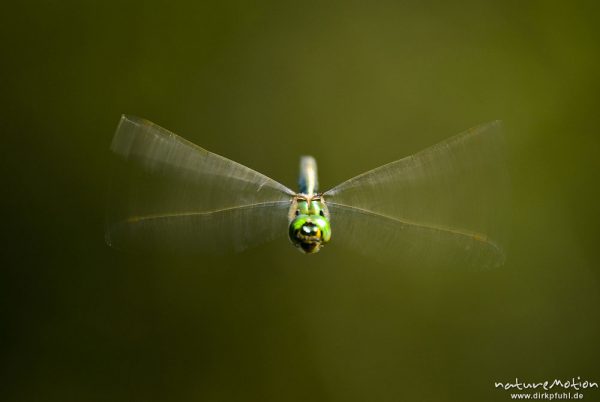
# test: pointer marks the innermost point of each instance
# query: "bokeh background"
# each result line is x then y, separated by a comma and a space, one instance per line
356, 85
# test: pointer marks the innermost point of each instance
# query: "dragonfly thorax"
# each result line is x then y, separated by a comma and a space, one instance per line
309, 226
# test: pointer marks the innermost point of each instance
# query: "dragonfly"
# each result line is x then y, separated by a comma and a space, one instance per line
444, 202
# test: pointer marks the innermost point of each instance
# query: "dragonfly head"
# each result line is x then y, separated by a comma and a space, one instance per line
309, 228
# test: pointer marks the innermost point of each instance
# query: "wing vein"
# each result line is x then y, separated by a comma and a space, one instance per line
464, 233
137, 219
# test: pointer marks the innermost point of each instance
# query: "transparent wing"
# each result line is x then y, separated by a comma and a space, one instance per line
443, 204
168, 193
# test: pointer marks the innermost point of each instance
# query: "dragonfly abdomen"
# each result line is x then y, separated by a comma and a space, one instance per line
308, 182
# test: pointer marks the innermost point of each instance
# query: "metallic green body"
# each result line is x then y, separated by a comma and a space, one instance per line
309, 228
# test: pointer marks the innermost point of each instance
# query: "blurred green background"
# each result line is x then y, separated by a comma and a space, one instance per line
356, 85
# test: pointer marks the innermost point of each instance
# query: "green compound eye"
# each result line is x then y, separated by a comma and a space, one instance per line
310, 232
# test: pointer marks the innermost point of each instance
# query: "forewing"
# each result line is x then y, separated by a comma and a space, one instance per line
443, 204
169, 194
